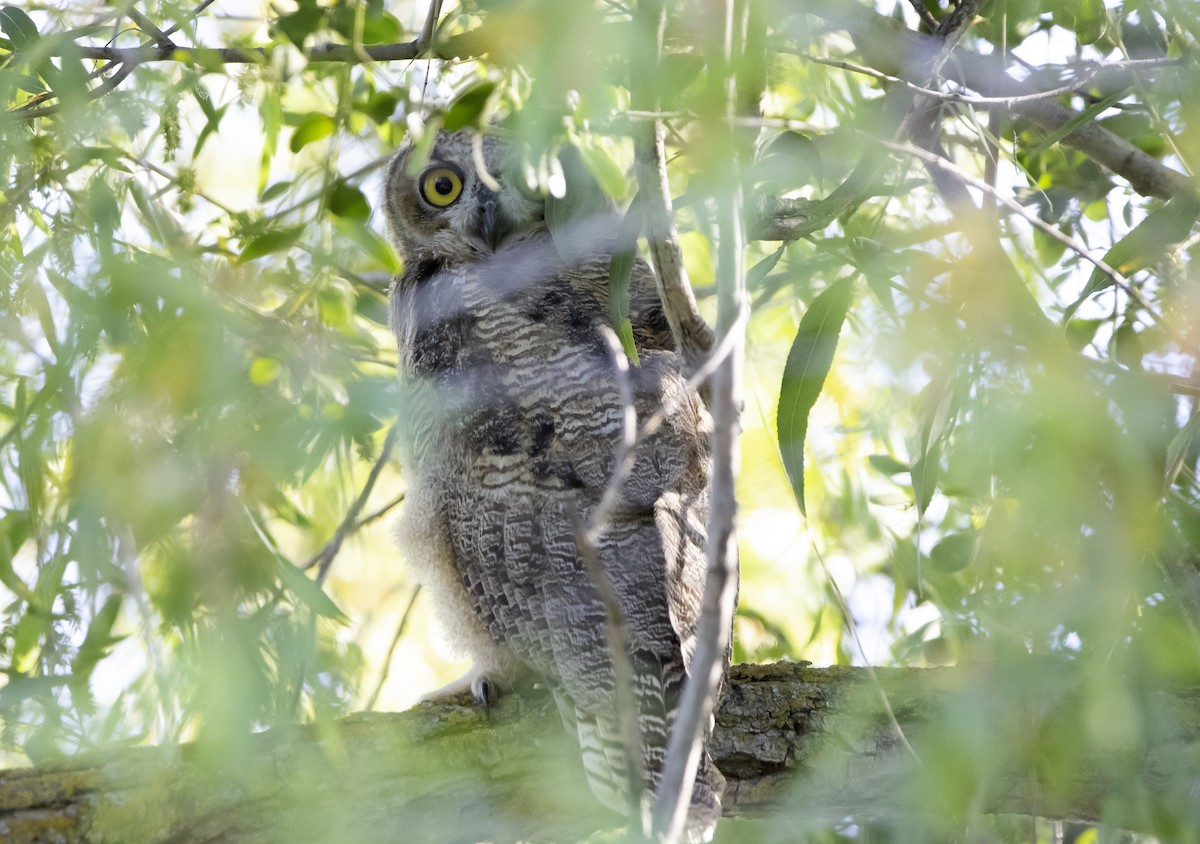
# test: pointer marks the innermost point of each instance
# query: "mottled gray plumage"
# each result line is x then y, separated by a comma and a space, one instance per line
511, 418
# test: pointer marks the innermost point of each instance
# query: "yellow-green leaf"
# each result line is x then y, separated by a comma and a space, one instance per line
804, 375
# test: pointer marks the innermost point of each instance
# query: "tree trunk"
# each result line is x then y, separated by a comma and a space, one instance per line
793, 741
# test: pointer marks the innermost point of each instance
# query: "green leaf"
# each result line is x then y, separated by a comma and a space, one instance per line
29, 84
1145, 244
677, 72
934, 412
99, 639
335, 305
369, 242
1091, 20
18, 26
275, 240
275, 191
604, 169
37, 297
380, 106
348, 201
1127, 346
309, 592
804, 374
15, 529
20, 688
381, 29
314, 127
31, 629
1081, 332
954, 552
298, 25
758, 273
887, 465
620, 270
470, 108
1085, 116
1178, 449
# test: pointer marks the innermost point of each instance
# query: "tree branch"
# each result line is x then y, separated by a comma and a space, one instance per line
692, 333
706, 672
807, 742
894, 50
205, 56
324, 559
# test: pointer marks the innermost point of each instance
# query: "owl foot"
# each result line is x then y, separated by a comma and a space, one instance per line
480, 681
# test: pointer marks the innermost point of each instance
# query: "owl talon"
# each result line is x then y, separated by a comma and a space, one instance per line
480, 682
485, 690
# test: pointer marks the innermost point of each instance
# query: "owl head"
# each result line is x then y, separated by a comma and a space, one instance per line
444, 212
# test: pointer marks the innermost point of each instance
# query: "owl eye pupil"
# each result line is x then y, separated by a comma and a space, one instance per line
444, 185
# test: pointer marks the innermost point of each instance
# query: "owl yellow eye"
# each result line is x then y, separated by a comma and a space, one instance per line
441, 186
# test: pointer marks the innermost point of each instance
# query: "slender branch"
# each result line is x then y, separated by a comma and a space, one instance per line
400, 51
623, 456
924, 14
391, 651
586, 536
325, 558
381, 512
954, 96
791, 219
706, 672
1033, 219
991, 77
163, 49
109, 84
692, 333
149, 28
430, 27
195, 13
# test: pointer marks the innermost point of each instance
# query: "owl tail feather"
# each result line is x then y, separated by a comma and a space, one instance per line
604, 763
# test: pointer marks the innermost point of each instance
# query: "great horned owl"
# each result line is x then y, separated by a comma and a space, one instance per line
512, 415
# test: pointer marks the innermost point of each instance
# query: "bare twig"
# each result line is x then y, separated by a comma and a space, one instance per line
616, 634
400, 51
387, 660
325, 558
1033, 219
381, 512
586, 537
693, 718
195, 13
926, 16
148, 26
623, 456
852, 626
25, 113
352, 176
162, 48
955, 97
425, 41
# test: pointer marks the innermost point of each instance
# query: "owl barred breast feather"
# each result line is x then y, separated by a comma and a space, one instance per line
511, 417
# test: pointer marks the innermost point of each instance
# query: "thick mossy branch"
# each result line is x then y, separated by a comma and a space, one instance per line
792, 740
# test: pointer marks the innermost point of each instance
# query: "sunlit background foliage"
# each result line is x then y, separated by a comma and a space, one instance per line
196, 373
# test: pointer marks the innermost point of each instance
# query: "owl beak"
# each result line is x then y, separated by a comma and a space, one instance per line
491, 228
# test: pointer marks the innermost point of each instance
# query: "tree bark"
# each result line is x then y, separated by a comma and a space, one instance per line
792, 740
